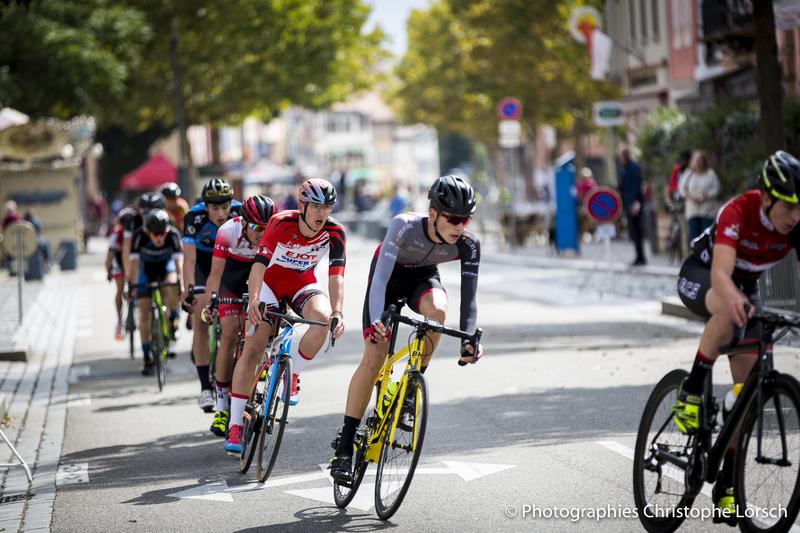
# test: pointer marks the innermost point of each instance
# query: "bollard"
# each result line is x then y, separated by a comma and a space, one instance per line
68, 255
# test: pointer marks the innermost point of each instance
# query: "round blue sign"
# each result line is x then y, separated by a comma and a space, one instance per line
603, 204
509, 109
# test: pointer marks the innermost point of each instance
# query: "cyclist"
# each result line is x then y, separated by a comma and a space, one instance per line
155, 256
405, 266
200, 230
144, 204
753, 232
114, 270
176, 206
234, 252
293, 243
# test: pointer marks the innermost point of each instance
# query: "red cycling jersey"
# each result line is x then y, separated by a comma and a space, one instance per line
743, 225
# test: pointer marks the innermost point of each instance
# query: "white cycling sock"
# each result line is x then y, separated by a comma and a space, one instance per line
223, 397
238, 402
299, 359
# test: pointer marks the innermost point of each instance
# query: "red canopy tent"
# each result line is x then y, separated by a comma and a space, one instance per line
149, 175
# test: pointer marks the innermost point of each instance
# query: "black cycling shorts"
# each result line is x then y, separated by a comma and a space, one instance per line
694, 281
411, 283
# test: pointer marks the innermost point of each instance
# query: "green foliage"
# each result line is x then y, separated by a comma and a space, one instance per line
465, 55
728, 133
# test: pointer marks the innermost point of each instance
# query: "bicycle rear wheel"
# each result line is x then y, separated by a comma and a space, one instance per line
660, 488
251, 426
768, 484
276, 409
157, 347
399, 456
130, 329
342, 494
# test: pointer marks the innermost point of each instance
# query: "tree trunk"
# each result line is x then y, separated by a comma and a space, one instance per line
769, 77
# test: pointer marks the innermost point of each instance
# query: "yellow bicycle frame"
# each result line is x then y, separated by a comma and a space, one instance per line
414, 353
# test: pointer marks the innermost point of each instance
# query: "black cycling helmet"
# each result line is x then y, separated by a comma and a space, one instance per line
170, 190
156, 221
780, 177
316, 191
151, 200
126, 214
451, 194
217, 191
258, 210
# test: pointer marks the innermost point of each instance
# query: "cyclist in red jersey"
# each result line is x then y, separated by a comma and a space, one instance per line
114, 270
293, 244
176, 206
752, 233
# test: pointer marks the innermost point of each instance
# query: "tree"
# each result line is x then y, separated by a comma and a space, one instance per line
770, 92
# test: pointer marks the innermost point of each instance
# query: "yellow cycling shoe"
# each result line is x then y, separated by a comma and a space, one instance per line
686, 412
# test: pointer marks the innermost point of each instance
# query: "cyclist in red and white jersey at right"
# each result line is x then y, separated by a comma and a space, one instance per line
293, 244
719, 281
235, 248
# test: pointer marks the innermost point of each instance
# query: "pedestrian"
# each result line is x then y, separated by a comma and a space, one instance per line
673, 196
584, 184
699, 186
398, 202
629, 176
10, 214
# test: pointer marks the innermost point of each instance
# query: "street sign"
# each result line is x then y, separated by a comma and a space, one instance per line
25, 232
509, 109
603, 204
510, 133
607, 114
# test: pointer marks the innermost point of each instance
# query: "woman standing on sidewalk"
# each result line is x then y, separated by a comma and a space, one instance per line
699, 186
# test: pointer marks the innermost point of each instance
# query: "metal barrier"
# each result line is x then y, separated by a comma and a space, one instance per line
780, 286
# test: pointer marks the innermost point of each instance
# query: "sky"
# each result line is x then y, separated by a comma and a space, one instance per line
391, 16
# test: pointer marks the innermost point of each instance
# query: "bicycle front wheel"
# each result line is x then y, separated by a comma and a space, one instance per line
342, 494
158, 349
276, 409
768, 463
251, 426
659, 488
399, 455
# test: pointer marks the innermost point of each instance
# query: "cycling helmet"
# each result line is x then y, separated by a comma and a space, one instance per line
258, 210
451, 194
780, 177
126, 214
156, 221
170, 190
217, 191
316, 191
151, 200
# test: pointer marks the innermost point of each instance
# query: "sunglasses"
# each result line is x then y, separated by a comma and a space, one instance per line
257, 228
158, 234
456, 220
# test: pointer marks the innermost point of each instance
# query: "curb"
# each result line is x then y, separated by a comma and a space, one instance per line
578, 264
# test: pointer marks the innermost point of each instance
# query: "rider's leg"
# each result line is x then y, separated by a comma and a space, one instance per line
317, 307
202, 354
230, 337
245, 369
143, 303
172, 298
433, 306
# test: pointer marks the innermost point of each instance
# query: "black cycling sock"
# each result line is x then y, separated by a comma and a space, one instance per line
345, 448
422, 369
726, 476
202, 374
702, 366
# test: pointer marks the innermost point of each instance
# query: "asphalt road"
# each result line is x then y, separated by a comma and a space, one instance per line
547, 419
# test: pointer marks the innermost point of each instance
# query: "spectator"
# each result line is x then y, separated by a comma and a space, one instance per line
10, 214
673, 195
398, 202
585, 184
699, 186
629, 176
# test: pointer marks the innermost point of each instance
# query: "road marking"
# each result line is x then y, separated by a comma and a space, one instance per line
222, 492
79, 399
75, 473
78, 372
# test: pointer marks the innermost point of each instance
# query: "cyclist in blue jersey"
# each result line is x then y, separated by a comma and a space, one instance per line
155, 256
199, 233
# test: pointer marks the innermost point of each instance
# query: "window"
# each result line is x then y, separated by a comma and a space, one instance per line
654, 17
643, 14
632, 20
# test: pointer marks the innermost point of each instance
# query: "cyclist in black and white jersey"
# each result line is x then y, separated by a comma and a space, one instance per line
405, 266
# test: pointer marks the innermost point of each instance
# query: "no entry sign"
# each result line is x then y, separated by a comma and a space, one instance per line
603, 204
509, 109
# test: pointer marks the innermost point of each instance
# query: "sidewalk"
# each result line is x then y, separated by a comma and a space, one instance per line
12, 345
37, 393
593, 256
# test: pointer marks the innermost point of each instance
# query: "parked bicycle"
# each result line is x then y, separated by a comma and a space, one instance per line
670, 468
393, 433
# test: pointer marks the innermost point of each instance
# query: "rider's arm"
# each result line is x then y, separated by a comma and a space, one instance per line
390, 247
189, 258
469, 248
126, 251
214, 277
336, 265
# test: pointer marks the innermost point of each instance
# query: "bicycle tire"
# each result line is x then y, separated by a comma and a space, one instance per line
780, 394
251, 428
273, 424
666, 521
385, 506
342, 496
156, 342
130, 328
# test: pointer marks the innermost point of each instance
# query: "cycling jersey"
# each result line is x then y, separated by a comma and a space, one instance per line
743, 225
291, 257
155, 262
232, 245
178, 213
408, 256
132, 224
201, 232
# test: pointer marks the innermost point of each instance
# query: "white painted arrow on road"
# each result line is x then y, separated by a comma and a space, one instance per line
220, 490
